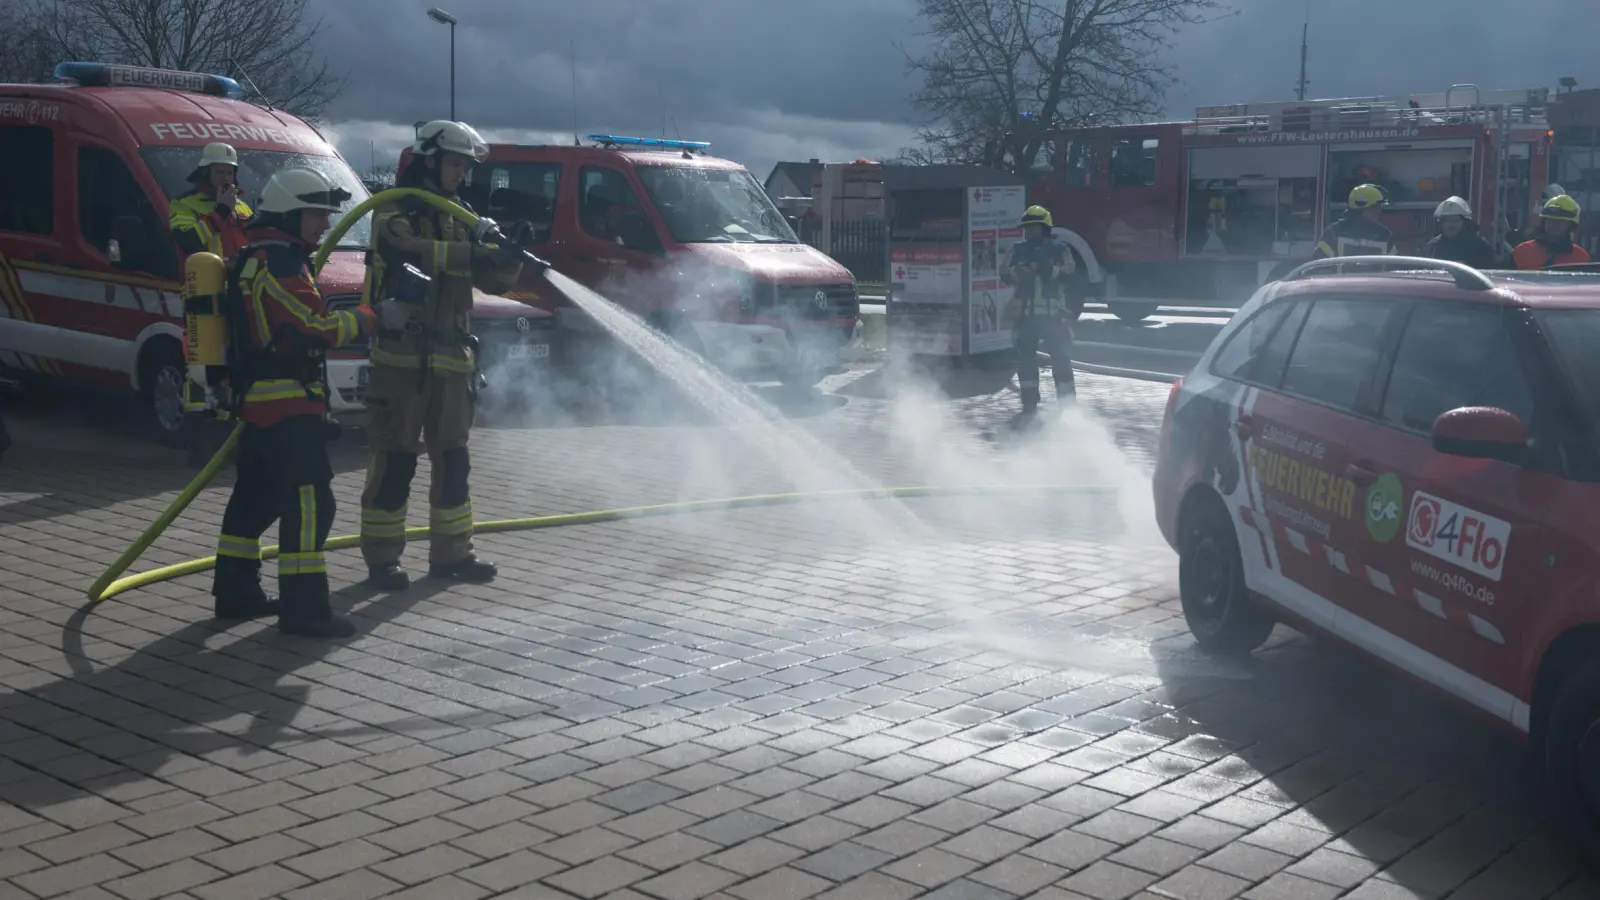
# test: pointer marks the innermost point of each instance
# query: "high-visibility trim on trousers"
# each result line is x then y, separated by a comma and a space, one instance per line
312, 563
456, 520
383, 523
308, 516
239, 548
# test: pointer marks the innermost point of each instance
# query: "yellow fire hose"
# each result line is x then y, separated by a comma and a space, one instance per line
110, 583
106, 587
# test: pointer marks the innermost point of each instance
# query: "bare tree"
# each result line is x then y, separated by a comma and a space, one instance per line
1000, 75
23, 55
267, 44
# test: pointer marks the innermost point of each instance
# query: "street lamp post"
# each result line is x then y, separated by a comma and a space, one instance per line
444, 18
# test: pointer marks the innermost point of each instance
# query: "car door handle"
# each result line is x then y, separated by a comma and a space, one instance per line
1360, 474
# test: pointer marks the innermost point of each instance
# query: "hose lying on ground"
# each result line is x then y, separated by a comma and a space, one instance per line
109, 585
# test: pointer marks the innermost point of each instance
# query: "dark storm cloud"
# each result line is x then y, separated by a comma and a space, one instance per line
765, 80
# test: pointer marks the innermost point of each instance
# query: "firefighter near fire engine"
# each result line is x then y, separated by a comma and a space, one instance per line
1552, 244
208, 219
421, 273
1360, 231
1459, 239
1039, 268
278, 332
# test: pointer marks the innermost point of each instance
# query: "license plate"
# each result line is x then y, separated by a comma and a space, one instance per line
362, 376
528, 351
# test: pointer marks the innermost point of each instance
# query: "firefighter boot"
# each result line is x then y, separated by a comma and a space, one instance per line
237, 593
469, 569
389, 578
307, 612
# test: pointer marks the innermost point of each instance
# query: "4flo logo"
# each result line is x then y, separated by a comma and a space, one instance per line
1458, 535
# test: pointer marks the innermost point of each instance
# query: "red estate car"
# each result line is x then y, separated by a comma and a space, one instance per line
1407, 461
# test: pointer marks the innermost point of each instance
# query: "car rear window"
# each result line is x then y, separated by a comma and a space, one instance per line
1453, 355
1575, 335
1337, 350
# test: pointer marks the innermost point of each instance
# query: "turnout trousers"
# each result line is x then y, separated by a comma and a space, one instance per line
284, 476
1054, 333
405, 419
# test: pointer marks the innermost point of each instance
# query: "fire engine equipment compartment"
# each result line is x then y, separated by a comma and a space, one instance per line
949, 228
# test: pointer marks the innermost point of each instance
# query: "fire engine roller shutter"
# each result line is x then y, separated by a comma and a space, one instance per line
1260, 162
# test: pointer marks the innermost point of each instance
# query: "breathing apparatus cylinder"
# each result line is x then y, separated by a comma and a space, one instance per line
205, 332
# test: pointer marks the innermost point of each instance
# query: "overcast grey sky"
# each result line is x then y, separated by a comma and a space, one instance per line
765, 81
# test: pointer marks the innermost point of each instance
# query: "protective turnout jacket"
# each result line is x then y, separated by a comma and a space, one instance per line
199, 223
1355, 235
283, 329
1042, 294
1467, 247
1544, 251
436, 336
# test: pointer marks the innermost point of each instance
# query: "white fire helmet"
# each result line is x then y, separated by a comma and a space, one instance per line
1453, 206
444, 136
295, 188
1551, 191
218, 154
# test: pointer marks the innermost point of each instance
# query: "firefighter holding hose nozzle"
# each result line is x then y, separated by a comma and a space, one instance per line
421, 273
278, 331
1039, 268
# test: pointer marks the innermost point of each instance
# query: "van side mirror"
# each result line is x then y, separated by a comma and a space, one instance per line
132, 244
1481, 432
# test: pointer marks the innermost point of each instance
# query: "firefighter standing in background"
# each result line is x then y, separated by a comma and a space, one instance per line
1458, 238
423, 364
279, 331
1552, 245
211, 216
1039, 267
1359, 232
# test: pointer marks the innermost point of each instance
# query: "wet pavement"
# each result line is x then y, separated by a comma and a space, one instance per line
787, 702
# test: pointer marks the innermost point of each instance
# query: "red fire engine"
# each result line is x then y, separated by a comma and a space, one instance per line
1203, 212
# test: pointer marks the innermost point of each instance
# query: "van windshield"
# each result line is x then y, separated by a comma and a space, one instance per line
172, 165
714, 205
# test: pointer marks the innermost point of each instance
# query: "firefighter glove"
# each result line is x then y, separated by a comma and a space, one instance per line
486, 231
393, 314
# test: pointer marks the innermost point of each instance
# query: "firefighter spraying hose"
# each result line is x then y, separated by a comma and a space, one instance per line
206, 348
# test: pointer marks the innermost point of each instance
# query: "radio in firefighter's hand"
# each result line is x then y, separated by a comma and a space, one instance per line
205, 330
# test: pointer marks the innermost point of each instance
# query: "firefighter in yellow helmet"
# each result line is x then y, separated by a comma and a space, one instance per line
420, 277
1360, 231
1552, 245
1040, 312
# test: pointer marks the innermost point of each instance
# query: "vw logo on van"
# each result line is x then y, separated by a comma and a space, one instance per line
523, 324
821, 299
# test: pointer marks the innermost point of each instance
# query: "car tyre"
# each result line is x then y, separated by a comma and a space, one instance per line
1571, 764
1211, 587
163, 380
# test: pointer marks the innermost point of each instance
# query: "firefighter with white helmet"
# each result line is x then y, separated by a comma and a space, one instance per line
1552, 244
1458, 238
211, 215
421, 274
279, 331
1039, 268
1360, 231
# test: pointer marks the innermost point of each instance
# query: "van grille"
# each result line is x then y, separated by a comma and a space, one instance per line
800, 301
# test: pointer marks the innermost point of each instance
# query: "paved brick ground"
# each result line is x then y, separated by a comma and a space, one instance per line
792, 702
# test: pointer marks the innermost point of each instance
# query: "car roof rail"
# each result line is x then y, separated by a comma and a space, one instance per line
1575, 268
1466, 277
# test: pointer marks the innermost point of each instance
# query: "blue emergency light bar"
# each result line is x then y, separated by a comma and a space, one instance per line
93, 74
660, 143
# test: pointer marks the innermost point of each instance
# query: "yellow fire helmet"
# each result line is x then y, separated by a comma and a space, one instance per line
1365, 196
1037, 215
1561, 208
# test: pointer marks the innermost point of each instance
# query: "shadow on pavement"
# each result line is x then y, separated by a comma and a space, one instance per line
1325, 756
184, 694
